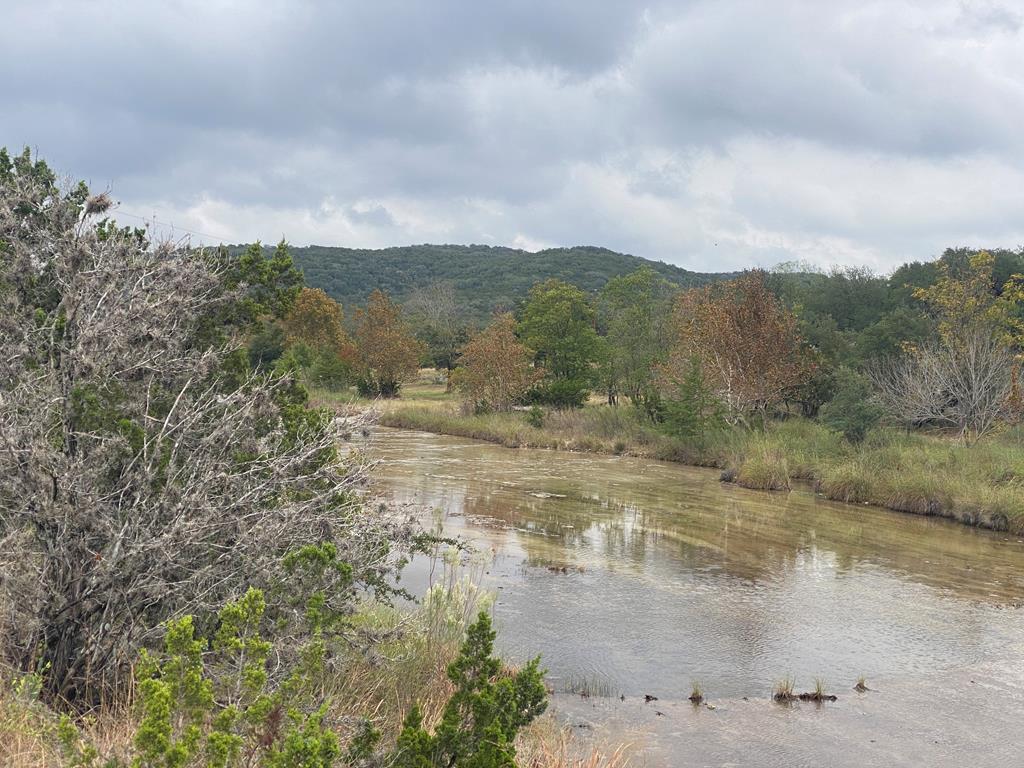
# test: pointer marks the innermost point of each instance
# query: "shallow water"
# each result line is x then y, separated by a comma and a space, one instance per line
671, 576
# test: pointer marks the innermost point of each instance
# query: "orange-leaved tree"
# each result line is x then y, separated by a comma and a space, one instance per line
317, 345
495, 369
745, 341
389, 355
317, 320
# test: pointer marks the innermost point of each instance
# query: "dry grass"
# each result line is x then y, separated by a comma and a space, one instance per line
28, 729
546, 744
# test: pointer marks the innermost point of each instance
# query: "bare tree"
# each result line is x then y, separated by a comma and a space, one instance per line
434, 314
964, 384
143, 473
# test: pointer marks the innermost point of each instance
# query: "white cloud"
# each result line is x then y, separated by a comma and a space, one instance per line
715, 135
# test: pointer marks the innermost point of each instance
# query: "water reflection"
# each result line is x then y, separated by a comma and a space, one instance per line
671, 576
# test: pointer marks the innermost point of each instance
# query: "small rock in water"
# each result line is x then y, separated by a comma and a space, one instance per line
648, 698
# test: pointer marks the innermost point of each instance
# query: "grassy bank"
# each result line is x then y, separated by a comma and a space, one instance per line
919, 473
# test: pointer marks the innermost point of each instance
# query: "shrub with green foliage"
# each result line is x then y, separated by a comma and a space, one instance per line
853, 412
690, 410
483, 715
535, 417
561, 393
320, 368
211, 702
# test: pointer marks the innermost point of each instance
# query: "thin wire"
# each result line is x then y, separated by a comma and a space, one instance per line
155, 223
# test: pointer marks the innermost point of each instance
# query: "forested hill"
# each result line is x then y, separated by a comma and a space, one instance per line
485, 277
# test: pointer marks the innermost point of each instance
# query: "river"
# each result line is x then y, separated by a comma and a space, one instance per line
633, 578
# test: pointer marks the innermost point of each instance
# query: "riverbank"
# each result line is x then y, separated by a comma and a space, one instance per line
981, 485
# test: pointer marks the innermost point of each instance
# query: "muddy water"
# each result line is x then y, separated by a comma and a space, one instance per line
670, 576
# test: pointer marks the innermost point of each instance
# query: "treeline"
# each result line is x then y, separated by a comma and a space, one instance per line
485, 278
932, 344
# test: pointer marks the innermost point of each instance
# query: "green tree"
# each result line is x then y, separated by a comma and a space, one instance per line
558, 323
483, 715
965, 299
891, 335
690, 408
635, 311
264, 283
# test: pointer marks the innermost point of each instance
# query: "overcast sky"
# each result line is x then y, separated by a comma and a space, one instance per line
714, 135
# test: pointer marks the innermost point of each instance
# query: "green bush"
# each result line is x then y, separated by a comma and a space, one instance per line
213, 703
692, 411
853, 411
535, 417
561, 393
483, 715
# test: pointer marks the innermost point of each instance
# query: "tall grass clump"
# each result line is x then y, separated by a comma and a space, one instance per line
764, 467
850, 481
782, 691
696, 692
805, 444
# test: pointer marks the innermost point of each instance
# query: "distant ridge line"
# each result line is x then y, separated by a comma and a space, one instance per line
485, 277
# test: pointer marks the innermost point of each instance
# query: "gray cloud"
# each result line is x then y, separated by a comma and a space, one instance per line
711, 134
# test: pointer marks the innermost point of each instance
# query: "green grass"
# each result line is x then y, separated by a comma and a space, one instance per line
919, 473
764, 465
696, 692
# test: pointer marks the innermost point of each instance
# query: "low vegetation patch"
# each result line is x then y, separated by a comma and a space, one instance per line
696, 693
783, 692
818, 694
